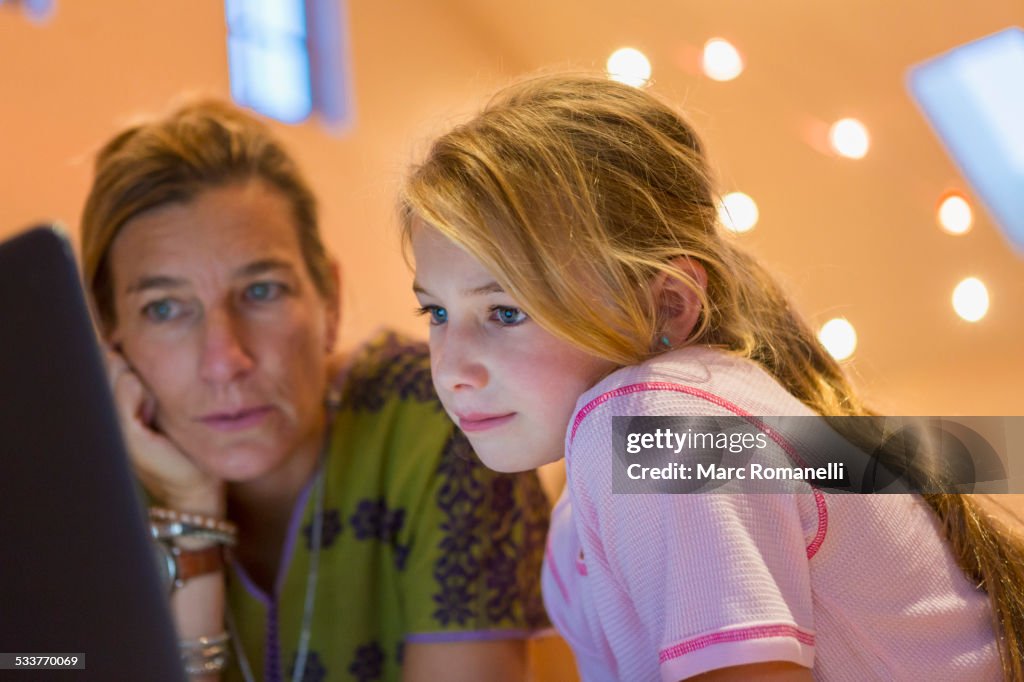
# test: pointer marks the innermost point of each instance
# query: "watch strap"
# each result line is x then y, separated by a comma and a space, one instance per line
192, 563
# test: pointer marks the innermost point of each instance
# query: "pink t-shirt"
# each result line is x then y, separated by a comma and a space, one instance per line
660, 586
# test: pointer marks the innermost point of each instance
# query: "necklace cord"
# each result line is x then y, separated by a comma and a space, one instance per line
316, 541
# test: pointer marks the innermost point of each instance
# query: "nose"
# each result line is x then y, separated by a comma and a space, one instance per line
224, 355
457, 359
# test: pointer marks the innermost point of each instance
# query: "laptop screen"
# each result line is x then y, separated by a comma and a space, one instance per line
77, 572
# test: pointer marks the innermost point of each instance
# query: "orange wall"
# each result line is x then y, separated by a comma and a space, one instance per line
69, 83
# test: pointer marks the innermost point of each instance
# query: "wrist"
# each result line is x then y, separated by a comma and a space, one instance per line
189, 544
208, 502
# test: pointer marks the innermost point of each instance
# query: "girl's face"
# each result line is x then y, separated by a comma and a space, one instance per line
509, 384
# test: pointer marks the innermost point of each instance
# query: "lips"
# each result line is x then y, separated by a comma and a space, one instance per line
471, 422
236, 421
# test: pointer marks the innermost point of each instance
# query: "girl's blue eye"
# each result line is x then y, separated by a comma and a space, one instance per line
509, 317
263, 291
438, 315
161, 311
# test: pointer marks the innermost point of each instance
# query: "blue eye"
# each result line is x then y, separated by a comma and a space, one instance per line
161, 311
508, 317
438, 315
263, 291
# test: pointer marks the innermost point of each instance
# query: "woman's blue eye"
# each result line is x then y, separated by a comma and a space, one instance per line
263, 291
509, 317
160, 311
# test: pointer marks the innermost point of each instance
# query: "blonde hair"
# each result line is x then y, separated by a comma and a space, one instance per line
204, 144
575, 191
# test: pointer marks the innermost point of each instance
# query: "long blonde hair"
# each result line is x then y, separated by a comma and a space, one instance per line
574, 191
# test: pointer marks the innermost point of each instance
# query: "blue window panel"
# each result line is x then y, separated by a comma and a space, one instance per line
37, 10
268, 57
973, 97
329, 58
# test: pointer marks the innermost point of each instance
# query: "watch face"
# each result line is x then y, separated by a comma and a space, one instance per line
166, 565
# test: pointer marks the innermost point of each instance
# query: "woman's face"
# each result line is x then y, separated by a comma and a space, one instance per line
509, 384
219, 317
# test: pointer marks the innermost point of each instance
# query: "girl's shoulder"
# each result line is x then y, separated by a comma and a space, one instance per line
692, 379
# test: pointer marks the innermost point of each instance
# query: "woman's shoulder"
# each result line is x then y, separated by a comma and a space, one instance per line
388, 413
709, 379
389, 366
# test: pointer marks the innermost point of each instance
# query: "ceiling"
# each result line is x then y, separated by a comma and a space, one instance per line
849, 238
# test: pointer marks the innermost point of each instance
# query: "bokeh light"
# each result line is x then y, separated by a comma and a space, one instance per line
955, 214
839, 338
722, 61
849, 138
970, 299
630, 66
738, 212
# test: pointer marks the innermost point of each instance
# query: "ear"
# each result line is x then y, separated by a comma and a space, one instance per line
333, 309
679, 305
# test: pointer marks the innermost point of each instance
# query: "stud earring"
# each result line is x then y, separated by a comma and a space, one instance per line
665, 342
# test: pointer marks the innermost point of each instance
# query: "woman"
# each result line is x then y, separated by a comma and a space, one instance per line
367, 541
570, 263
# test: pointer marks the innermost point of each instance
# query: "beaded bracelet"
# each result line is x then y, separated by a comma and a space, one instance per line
170, 523
192, 519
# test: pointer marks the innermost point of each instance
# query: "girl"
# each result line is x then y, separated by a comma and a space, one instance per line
568, 257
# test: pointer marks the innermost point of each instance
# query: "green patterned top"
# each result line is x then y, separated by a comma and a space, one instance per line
420, 542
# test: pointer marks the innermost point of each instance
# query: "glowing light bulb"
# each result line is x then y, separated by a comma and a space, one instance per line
955, 214
630, 66
738, 212
722, 61
839, 338
849, 138
970, 299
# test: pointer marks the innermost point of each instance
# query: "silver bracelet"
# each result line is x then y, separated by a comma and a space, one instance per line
209, 666
205, 655
169, 530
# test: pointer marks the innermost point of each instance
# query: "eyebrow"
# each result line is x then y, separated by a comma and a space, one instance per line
263, 266
250, 270
155, 282
489, 288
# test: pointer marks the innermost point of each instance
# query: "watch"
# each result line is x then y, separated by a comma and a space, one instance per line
177, 565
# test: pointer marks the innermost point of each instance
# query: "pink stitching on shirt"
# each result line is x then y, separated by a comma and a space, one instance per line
819, 498
758, 632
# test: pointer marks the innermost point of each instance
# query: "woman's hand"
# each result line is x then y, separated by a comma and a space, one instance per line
166, 472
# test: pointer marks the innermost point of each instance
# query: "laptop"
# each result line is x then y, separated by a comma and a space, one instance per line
78, 576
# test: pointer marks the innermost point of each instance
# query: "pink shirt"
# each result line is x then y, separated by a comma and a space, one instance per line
649, 587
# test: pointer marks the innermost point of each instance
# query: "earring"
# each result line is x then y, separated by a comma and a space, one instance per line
665, 342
